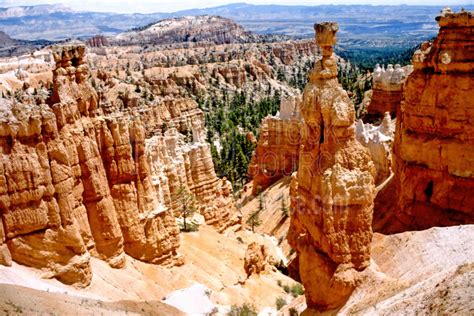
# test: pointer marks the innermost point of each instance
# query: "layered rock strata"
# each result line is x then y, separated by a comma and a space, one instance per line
434, 143
277, 152
387, 90
175, 164
75, 182
332, 193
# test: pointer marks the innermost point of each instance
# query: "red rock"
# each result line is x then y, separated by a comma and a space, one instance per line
434, 144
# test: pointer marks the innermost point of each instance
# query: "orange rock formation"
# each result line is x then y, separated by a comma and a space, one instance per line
333, 191
434, 143
257, 259
387, 90
277, 152
84, 175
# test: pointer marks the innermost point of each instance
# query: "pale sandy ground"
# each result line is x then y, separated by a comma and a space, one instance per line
429, 272
212, 259
273, 221
413, 273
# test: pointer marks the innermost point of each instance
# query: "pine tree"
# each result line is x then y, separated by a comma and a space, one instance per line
284, 207
187, 204
254, 218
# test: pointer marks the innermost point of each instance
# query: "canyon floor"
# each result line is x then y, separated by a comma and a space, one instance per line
211, 259
420, 272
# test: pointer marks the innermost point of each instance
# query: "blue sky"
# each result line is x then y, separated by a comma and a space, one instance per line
129, 6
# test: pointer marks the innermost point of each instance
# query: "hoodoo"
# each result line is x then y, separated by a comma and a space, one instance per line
387, 90
333, 191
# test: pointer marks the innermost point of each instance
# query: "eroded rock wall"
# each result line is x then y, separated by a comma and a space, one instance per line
434, 144
277, 152
75, 182
332, 193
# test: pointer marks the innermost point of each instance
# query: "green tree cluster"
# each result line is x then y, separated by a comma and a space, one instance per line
228, 121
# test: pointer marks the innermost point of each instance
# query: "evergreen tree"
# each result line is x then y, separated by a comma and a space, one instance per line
187, 204
284, 207
254, 218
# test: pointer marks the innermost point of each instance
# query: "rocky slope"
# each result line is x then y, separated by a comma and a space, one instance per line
193, 29
213, 260
426, 272
333, 191
434, 144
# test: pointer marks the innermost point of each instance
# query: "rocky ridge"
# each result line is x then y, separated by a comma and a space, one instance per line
206, 70
193, 29
332, 193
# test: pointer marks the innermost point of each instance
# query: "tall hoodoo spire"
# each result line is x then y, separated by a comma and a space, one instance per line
332, 193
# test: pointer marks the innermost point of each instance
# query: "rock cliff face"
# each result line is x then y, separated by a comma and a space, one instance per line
206, 69
332, 193
277, 152
175, 165
434, 144
98, 41
79, 177
387, 90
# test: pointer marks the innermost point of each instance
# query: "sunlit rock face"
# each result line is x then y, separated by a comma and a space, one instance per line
277, 152
434, 143
75, 182
333, 191
387, 90
89, 171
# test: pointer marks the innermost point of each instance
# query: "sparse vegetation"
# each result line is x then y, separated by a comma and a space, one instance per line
243, 310
280, 302
187, 205
254, 218
297, 290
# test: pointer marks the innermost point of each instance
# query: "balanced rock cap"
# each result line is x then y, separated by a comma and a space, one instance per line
326, 33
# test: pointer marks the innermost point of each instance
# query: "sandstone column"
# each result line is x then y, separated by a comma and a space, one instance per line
333, 191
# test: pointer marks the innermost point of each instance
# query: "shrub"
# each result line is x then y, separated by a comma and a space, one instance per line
190, 227
280, 302
287, 288
293, 312
280, 284
297, 290
244, 310
239, 239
